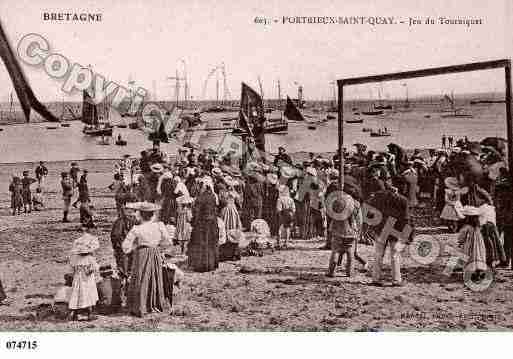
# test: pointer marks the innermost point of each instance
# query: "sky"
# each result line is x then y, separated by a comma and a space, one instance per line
146, 40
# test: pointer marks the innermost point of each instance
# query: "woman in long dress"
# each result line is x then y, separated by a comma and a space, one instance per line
203, 247
229, 213
146, 287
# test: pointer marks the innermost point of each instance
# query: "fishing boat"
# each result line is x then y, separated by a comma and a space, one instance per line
269, 127
359, 120
311, 127
120, 142
380, 133
372, 112
452, 110
478, 102
366, 129
381, 105
51, 127
92, 117
121, 125
331, 117
65, 124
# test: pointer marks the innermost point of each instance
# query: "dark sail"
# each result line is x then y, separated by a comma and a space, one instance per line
27, 98
291, 111
160, 135
251, 109
89, 110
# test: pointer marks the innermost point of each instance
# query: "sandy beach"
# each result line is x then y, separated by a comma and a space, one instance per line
285, 290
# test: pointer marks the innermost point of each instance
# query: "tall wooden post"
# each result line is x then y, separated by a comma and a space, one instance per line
341, 134
509, 120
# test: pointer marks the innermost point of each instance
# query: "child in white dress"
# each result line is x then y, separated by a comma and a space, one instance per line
84, 293
453, 207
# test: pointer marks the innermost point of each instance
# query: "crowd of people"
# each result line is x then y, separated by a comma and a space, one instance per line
198, 199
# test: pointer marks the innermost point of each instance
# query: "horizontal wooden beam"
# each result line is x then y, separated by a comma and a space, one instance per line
474, 66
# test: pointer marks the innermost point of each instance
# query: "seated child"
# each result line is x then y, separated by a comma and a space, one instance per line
37, 200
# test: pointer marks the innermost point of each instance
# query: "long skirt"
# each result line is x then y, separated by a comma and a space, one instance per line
231, 218
146, 288
202, 252
168, 213
474, 248
494, 249
183, 228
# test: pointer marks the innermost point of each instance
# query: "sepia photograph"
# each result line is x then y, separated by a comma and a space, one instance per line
251, 166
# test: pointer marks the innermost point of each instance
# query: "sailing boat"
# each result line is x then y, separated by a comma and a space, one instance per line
93, 116
381, 105
372, 112
453, 111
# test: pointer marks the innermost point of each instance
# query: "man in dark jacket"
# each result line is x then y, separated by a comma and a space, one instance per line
83, 190
394, 229
41, 172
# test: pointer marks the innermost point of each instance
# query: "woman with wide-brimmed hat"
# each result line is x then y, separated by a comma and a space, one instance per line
202, 250
146, 288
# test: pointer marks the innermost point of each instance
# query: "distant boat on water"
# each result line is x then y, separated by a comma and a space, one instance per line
478, 102
355, 121
380, 133
372, 113
453, 111
92, 115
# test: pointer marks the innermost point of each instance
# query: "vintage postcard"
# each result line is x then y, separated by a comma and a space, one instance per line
255, 166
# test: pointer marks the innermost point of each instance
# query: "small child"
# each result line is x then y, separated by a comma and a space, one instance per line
37, 200
286, 210
84, 293
16, 190
345, 233
26, 181
453, 207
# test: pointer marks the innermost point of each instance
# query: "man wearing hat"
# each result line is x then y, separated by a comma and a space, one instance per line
391, 206
41, 172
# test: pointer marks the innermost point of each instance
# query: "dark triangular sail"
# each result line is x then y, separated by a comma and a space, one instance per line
291, 111
89, 110
25, 94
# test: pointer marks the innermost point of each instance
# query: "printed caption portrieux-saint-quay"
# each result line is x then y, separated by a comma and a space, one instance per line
368, 20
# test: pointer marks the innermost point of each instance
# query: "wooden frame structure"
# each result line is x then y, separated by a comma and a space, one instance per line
475, 66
